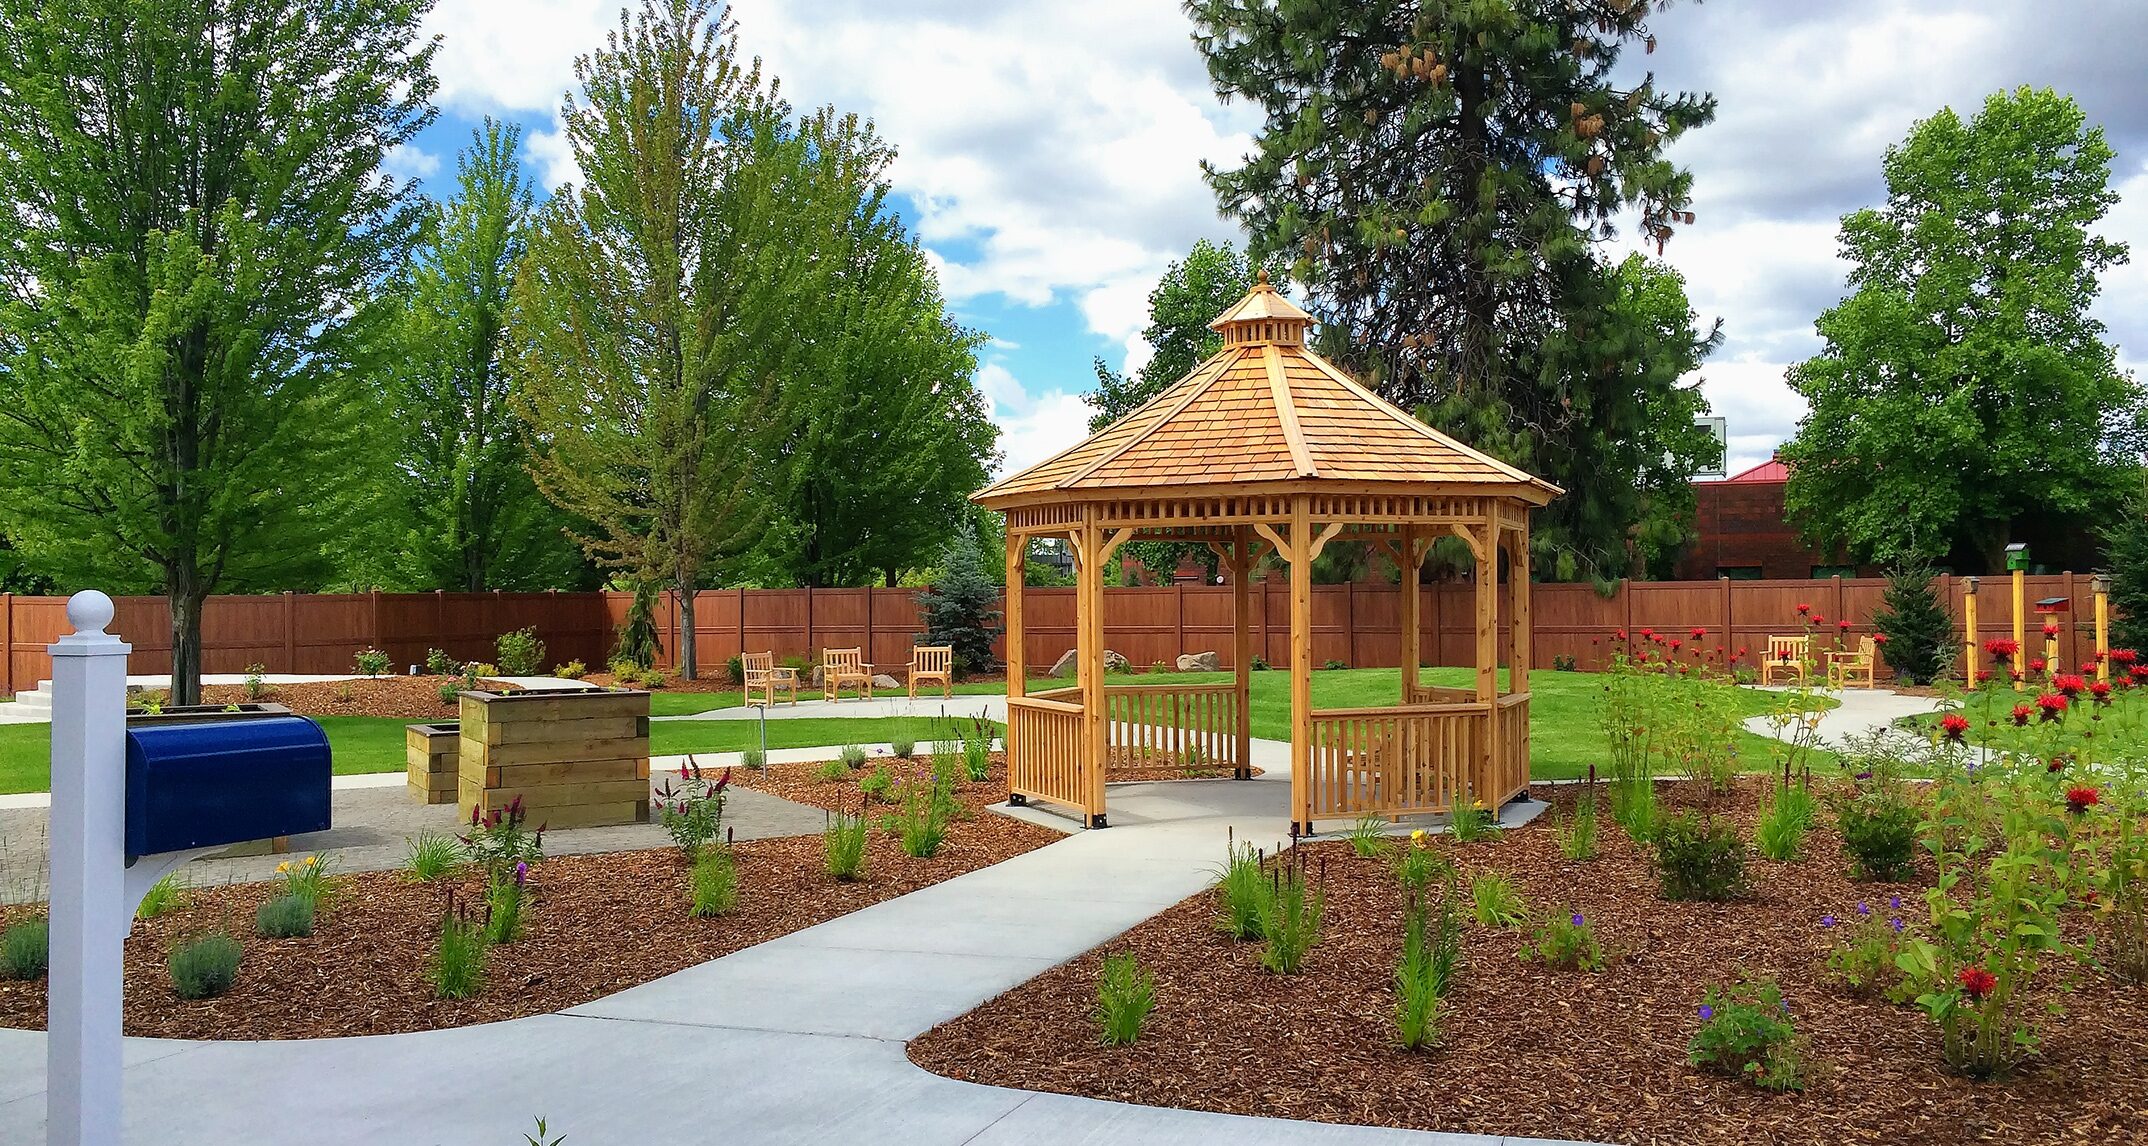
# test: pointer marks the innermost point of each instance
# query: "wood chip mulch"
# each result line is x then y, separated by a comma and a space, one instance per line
597, 924
416, 698
802, 783
1530, 1051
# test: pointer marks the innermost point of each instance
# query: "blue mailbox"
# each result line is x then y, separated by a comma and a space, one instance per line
195, 783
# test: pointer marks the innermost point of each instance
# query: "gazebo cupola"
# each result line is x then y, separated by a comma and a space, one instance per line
1266, 447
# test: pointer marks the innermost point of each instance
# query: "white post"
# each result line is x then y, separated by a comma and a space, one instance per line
89, 912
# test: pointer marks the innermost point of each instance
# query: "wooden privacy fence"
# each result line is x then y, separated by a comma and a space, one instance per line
1358, 625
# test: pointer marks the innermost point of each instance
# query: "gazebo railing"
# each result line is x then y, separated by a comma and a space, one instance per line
1414, 694
1172, 724
1414, 759
1044, 752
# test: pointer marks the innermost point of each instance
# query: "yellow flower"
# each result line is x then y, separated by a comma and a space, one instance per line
283, 868
1418, 836
313, 861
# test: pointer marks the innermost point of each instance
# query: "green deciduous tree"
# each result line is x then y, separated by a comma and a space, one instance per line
1439, 175
1964, 387
653, 323
460, 510
197, 219
888, 436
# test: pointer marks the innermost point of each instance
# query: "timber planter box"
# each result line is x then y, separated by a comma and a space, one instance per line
576, 758
431, 751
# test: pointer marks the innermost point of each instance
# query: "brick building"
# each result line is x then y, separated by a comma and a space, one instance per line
1744, 533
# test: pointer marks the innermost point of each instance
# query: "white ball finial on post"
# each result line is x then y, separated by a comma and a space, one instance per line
89, 909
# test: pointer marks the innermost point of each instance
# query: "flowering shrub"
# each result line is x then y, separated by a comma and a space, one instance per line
1746, 1033
691, 809
371, 661
1567, 943
497, 841
1866, 957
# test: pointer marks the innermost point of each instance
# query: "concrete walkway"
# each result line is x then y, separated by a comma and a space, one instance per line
1862, 711
991, 706
798, 1040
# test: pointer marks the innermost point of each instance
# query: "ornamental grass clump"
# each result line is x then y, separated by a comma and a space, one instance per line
206, 967
977, 751
1746, 1033
504, 902
1785, 817
1699, 858
25, 948
1125, 994
843, 844
1576, 834
458, 966
1566, 942
1431, 959
1368, 835
713, 883
432, 857
284, 917
165, 896
1473, 823
920, 818
1495, 903
1290, 916
1417, 864
1243, 885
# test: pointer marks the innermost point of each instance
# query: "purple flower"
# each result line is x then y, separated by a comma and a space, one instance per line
1894, 902
1706, 1012
1827, 921
1896, 924
1862, 910
522, 874
1864, 775
1577, 919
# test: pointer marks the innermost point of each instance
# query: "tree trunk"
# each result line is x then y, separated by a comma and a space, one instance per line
185, 604
689, 666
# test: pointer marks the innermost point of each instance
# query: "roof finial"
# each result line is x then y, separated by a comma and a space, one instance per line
1263, 284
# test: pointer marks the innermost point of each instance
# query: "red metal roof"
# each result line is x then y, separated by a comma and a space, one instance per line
1772, 470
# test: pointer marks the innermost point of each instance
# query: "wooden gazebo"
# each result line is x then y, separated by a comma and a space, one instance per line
1267, 445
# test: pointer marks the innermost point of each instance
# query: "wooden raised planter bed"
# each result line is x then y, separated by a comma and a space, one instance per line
431, 751
575, 758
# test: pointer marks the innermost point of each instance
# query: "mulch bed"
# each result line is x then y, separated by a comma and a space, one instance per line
411, 697
1530, 1051
801, 783
597, 924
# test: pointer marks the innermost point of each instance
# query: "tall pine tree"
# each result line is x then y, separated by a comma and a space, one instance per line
1440, 174
198, 222
961, 608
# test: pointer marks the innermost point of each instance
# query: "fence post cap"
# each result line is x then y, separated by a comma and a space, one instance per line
89, 612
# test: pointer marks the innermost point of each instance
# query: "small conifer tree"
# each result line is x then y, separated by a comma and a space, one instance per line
961, 608
1919, 631
2126, 556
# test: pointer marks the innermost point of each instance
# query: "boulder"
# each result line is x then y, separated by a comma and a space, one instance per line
1200, 662
883, 680
1113, 662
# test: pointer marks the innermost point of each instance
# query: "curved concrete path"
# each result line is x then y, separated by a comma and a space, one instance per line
1862, 710
798, 1040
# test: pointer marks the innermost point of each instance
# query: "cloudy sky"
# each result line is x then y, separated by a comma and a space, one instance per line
1050, 153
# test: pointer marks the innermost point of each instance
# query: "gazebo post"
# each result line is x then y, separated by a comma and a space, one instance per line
1017, 671
1406, 575
1301, 664
1241, 569
1089, 643
1485, 541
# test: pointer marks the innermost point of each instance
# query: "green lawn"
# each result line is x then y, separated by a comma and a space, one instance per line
1564, 736
375, 743
1563, 728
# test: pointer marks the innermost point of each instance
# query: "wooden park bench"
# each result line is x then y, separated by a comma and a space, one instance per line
933, 663
840, 667
762, 673
1786, 657
1841, 666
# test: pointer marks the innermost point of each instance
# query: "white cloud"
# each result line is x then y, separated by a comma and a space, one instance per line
408, 162
551, 155
514, 55
1032, 427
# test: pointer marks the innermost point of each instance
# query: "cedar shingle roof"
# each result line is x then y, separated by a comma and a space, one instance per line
1264, 409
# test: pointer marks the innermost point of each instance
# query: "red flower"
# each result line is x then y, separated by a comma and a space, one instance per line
1954, 725
1783, 656
2124, 656
2069, 684
2088, 666
2022, 713
2101, 690
1648, 634
2036, 664
1802, 609
1977, 982
1843, 625
1675, 643
2138, 672
2050, 706
2050, 628
1817, 619
1879, 638
1622, 634
2002, 648
1983, 676
1742, 651
2082, 799
2055, 764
